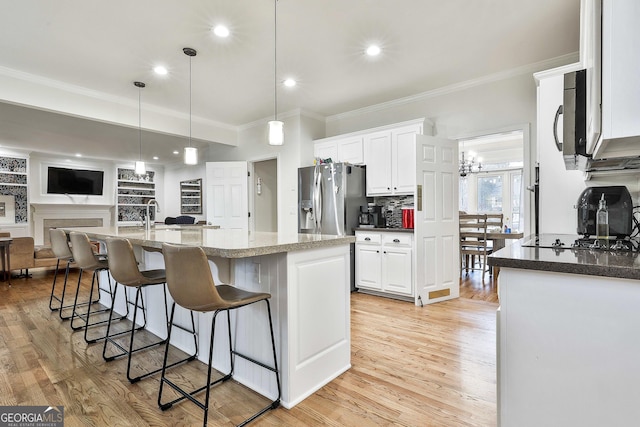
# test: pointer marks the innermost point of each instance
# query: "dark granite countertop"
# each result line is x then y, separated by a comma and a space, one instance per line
395, 230
625, 265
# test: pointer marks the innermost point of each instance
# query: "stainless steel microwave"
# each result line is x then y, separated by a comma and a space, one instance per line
574, 111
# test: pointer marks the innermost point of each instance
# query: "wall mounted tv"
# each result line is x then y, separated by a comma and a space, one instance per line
74, 181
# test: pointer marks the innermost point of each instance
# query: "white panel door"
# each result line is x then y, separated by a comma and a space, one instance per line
227, 196
436, 220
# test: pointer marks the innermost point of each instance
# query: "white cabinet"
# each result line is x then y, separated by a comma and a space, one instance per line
347, 149
368, 257
384, 262
391, 161
609, 51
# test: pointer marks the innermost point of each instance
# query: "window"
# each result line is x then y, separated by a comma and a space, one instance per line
490, 193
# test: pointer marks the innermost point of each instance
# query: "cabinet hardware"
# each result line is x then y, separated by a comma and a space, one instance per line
367, 239
396, 240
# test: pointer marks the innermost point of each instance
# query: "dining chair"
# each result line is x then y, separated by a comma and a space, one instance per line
473, 242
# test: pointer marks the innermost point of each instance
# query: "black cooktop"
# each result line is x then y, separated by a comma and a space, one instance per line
568, 241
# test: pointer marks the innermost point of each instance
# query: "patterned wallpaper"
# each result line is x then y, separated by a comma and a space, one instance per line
13, 182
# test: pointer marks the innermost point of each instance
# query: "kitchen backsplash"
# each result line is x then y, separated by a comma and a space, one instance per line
392, 208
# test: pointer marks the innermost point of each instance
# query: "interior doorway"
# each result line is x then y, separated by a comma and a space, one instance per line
264, 195
492, 176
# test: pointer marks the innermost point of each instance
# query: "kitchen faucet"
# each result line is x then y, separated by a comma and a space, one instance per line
148, 218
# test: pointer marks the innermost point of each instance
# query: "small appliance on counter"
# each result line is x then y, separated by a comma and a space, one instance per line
407, 217
371, 217
618, 203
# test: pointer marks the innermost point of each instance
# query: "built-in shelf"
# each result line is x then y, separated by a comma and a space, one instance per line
14, 206
133, 194
191, 196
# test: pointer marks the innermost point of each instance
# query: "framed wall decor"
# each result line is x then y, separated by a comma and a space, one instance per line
191, 196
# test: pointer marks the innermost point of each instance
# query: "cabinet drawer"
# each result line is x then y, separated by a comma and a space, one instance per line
397, 239
368, 238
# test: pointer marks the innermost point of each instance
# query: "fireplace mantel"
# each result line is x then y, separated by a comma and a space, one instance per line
82, 214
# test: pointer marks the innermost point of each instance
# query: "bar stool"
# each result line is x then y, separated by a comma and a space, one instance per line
192, 287
60, 247
86, 260
124, 270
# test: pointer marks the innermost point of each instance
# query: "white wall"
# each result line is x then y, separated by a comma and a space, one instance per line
172, 177
300, 129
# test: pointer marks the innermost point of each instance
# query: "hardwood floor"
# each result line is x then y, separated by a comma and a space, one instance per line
411, 366
472, 287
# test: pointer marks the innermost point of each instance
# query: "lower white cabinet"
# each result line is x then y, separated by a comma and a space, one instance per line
384, 262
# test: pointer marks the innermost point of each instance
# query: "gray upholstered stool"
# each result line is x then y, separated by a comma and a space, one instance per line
192, 287
124, 270
87, 260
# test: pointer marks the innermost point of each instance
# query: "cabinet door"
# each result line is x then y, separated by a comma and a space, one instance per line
378, 160
403, 156
351, 150
326, 150
368, 274
396, 270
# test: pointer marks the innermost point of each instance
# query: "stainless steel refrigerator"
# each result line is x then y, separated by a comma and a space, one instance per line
329, 200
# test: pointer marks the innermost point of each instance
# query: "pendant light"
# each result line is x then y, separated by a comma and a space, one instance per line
190, 153
140, 168
276, 127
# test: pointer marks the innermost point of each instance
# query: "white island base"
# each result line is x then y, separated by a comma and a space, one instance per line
568, 349
311, 313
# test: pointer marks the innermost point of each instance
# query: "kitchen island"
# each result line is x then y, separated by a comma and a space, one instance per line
568, 341
308, 278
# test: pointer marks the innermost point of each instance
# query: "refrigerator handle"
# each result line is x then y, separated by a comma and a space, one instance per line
317, 198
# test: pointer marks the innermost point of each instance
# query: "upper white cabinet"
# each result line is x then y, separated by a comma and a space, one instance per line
391, 161
340, 149
609, 51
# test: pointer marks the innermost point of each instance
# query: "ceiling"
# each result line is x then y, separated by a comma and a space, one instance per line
101, 47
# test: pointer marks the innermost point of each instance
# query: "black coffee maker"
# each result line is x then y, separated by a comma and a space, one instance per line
619, 205
371, 217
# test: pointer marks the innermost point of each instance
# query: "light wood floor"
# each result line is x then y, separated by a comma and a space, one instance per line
411, 366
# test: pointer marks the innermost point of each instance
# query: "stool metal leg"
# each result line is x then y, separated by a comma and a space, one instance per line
205, 405
130, 351
86, 317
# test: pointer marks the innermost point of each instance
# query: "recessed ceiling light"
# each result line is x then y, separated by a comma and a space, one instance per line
221, 31
155, 157
160, 70
176, 152
289, 82
373, 50
78, 155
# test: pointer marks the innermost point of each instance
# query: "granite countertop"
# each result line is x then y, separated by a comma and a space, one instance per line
395, 230
217, 242
625, 265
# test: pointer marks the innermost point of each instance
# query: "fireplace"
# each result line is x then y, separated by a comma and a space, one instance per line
47, 216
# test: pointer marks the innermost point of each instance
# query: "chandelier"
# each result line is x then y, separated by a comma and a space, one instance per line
469, 165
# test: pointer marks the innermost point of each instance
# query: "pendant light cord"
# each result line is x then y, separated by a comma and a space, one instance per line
140, 123
190, 58
275, 60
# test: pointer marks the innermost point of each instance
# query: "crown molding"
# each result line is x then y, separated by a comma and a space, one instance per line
41, 81
457, 87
